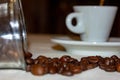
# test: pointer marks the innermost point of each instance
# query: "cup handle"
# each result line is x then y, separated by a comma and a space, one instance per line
78, 28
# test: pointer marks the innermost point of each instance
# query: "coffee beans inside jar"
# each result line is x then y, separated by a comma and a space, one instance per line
68, 66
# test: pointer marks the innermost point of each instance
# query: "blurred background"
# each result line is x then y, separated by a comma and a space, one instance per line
48, 16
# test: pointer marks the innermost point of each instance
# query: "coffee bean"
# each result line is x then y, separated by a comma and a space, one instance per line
75, 69
52, 69
29, 61
91, 66
102, 66
110, 68
114, 57
93, 59
84, 61
118, 67
117, 62
83, 64
41, 57
65, 58
55, 59
109, 61
74, 61
28, 55
37, 69
67, 73
36, 61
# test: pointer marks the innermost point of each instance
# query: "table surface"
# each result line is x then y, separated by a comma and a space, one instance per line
42, 45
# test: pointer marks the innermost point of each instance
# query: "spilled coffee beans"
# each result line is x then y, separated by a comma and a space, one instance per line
68, 66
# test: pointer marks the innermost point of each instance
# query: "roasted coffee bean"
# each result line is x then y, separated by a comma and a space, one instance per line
118, 67
100, 58
84, 59
91, 66
74, 61
83, 63
62, 67
102, 66
52, 69
28, 55
29, 61
112, 61
49, 59
36, 61
109, 61
114, 57
55, 59
65, 58
75, 69
67, 73
56, 64
38, 69
117, 62
110, 68
42, 59
93, 59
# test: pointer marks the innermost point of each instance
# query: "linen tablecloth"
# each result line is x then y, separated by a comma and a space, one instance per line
42, 45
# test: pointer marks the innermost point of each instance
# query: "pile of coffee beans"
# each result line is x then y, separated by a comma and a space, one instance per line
68, 66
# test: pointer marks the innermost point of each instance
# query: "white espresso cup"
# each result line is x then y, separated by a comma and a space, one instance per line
93, 23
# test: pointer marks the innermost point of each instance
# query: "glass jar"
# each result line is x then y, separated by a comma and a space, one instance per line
12, 35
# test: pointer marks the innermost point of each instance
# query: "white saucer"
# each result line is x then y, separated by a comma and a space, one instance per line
112, 47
